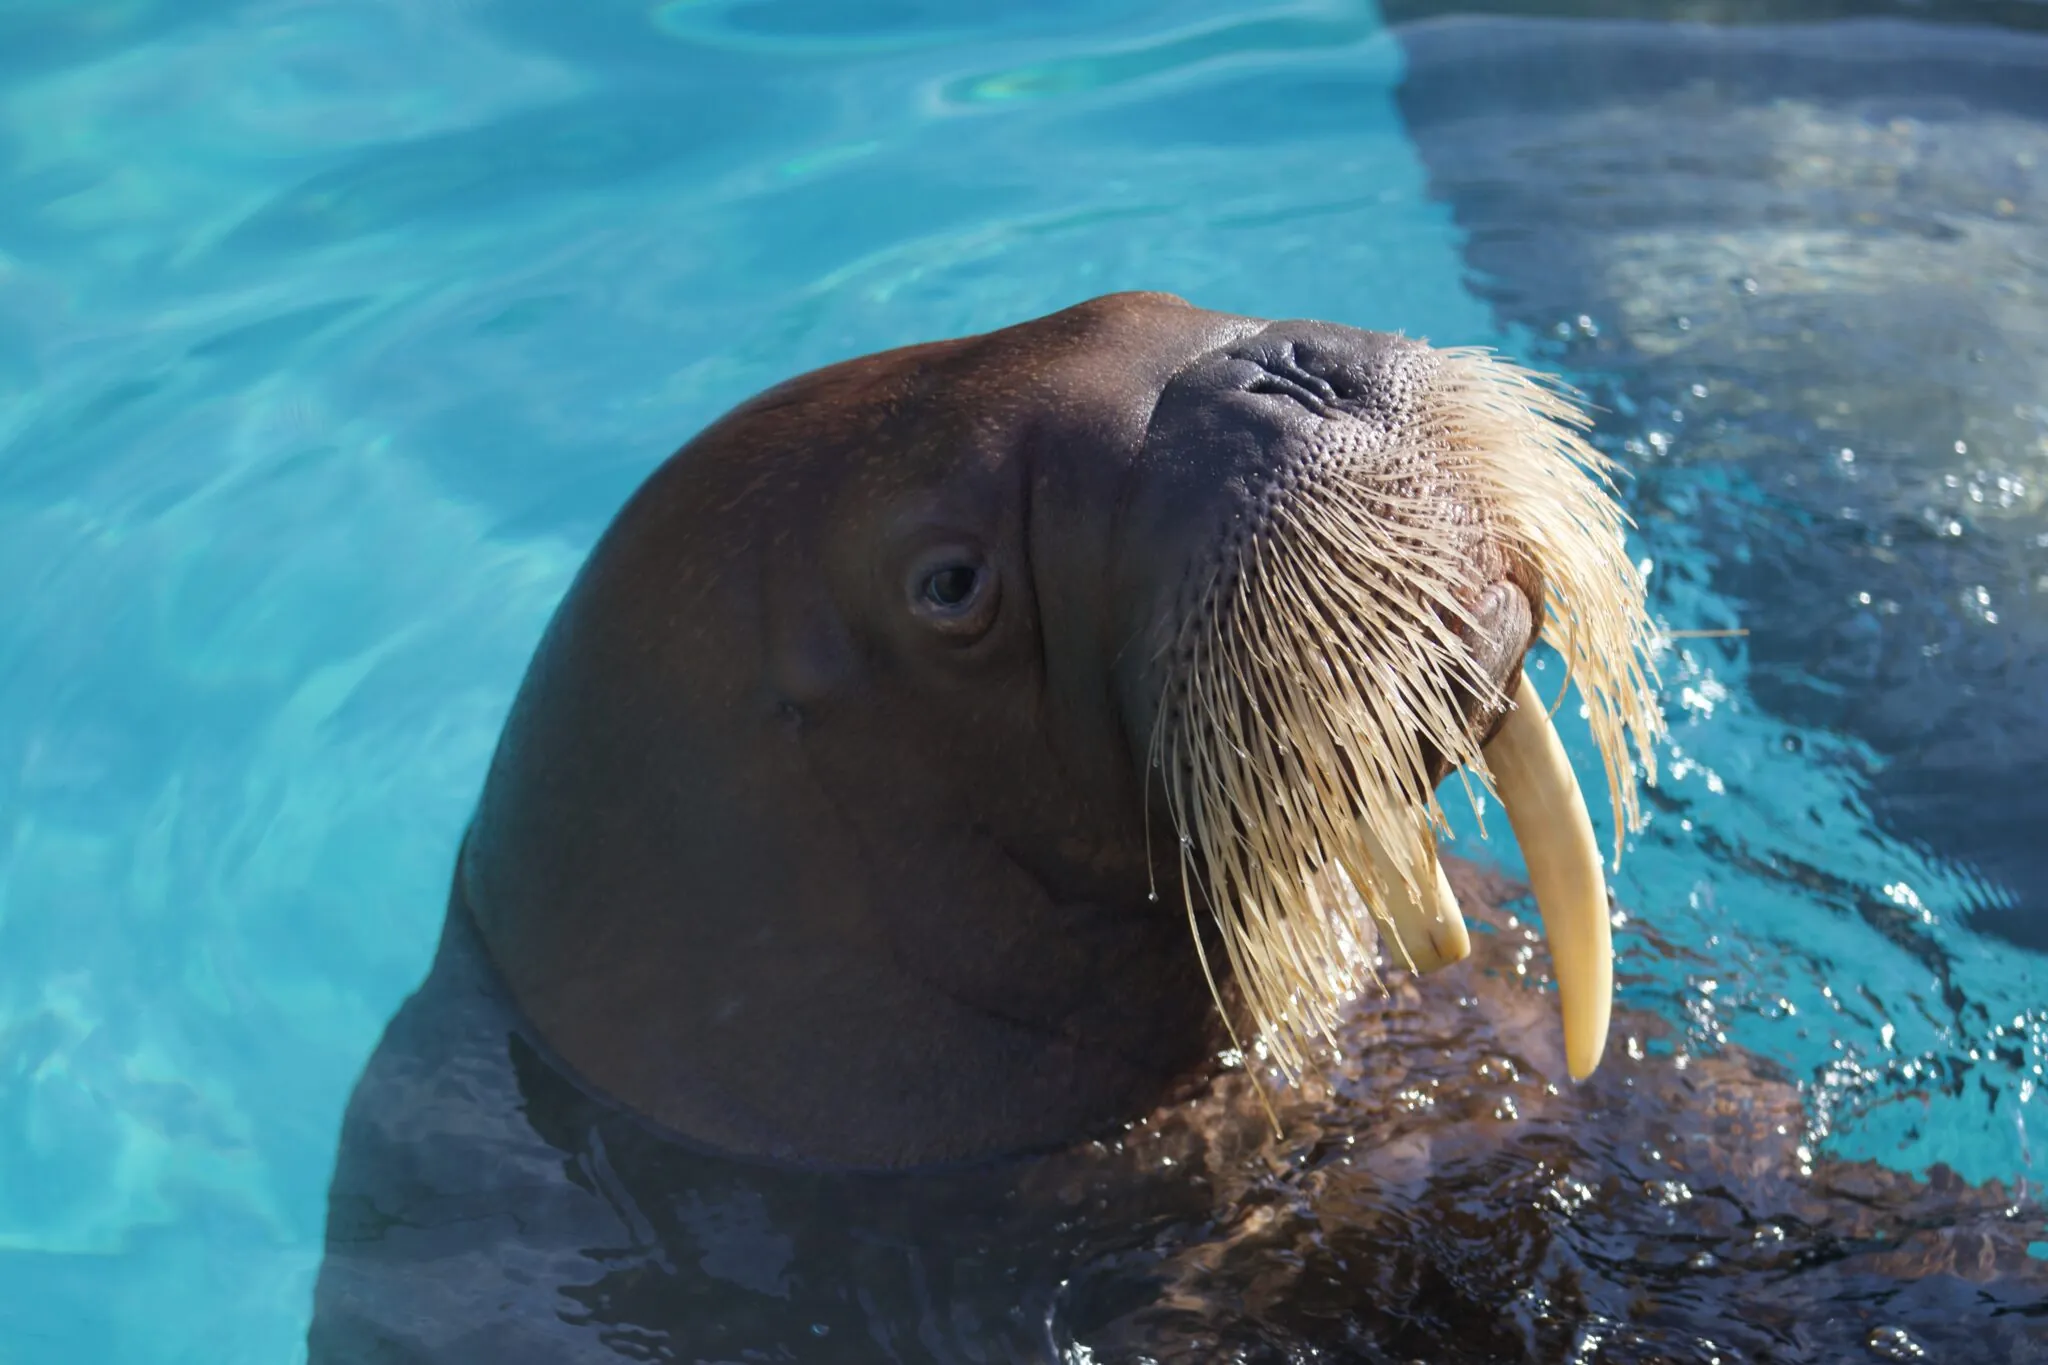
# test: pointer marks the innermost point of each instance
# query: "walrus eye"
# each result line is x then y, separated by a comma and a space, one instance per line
955, 594
950, 588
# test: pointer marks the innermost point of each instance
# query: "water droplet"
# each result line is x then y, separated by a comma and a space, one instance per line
820, 1329
1152, 895
1894, 1343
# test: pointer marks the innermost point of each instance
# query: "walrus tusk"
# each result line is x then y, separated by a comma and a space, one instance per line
1548, 813
1429, 930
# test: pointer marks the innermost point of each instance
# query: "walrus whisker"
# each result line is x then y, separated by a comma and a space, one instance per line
1328, 663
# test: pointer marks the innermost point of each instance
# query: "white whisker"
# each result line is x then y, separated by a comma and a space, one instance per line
1312, 684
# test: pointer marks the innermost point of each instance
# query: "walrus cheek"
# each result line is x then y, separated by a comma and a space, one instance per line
810, 658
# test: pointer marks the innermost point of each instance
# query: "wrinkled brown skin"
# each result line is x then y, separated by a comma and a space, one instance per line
767, 859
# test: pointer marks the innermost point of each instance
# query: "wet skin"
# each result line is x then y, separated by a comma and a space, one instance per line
803, 863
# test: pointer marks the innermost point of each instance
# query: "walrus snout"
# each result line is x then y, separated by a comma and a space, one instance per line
1247, 438
1351, 538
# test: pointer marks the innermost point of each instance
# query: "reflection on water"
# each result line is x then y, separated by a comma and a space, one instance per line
1454, 1199
1817, 259
1806, 272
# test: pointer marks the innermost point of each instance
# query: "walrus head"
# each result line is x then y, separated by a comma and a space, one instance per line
861, 796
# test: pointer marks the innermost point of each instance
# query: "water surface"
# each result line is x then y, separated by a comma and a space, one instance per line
330, 336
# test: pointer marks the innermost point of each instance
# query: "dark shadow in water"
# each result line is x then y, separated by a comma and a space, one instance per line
1818, 258
2025, 15
1446, 1196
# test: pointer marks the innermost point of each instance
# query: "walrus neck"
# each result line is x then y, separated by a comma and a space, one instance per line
868, 1034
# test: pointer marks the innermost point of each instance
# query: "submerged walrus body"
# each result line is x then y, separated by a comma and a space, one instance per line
924, 754
1444, 1195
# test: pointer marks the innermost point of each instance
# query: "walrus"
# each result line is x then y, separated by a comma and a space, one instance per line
960, 792
820, 827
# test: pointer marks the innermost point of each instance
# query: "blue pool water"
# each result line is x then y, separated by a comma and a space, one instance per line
332, 334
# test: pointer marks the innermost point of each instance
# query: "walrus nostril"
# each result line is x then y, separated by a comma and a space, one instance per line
1283, 374
1331, 371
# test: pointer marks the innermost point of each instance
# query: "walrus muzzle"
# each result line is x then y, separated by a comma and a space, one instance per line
1395, 522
